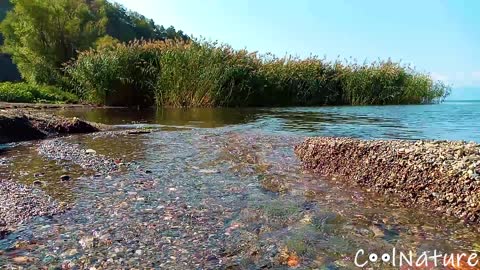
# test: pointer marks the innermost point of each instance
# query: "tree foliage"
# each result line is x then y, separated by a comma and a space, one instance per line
41, 35
5, 6
126, 25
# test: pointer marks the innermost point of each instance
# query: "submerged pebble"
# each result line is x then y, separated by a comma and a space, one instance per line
19, 203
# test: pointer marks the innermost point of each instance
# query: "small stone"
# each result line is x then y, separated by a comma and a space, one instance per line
212, 258
22, 259
123, 205
71, 252
90, 151
38, 183
88, 242
138, 252
136, 132
208, 171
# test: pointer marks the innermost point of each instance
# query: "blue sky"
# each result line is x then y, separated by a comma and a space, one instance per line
437, 36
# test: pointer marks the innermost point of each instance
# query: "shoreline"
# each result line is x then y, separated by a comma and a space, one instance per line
443, 176
20, 203
40, 106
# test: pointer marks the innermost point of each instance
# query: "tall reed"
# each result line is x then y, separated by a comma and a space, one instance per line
205, 74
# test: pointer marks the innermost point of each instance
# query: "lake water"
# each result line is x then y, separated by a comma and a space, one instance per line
222, 189
453, 120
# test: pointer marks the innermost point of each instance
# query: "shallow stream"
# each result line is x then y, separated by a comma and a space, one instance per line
222, 188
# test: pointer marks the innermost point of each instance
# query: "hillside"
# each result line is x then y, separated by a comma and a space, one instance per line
9, 71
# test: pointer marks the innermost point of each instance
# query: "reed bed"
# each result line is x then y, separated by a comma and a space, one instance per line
207, 74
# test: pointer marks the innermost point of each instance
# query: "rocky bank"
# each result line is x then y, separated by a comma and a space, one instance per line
439, 175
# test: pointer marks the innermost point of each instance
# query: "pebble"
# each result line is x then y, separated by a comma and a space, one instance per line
38, 183
173, 224
22, 259
208, 171
90, 151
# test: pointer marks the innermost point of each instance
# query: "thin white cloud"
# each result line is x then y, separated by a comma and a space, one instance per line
459, 79
476, 75
439, 77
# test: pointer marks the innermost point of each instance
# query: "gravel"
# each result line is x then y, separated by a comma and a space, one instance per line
439, 175
59, 150
20, 203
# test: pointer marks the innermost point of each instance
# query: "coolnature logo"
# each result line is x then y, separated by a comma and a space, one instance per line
433, 258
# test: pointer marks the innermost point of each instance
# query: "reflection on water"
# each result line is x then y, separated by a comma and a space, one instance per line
197, 117
449, 121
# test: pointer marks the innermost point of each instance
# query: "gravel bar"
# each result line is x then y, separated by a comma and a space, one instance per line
439, 175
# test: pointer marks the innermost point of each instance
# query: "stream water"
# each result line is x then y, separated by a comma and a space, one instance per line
222, 188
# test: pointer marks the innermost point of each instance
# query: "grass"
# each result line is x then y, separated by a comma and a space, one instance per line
29, 93
207, 74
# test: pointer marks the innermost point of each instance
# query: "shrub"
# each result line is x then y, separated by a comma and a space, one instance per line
23, 92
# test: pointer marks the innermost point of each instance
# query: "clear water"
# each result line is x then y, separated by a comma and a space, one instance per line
226, 191
453, 120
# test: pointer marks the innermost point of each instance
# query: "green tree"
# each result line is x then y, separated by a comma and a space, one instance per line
41, 35
5, 6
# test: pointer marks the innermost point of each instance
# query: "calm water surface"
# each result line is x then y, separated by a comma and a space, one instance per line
453, 120
224, 190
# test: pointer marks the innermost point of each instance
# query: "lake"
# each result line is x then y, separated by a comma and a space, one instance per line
222, 188
452, 120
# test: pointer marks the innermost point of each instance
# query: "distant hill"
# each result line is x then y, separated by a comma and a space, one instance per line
8, 70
